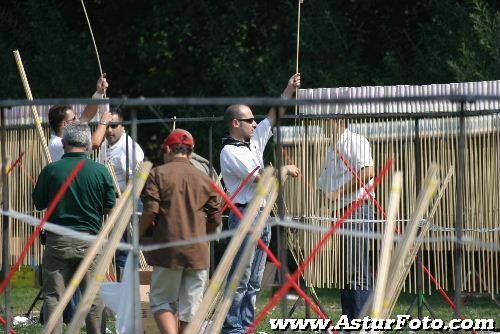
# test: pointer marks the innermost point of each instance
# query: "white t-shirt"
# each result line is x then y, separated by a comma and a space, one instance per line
236, 162
356, 150
117, 155
55, 147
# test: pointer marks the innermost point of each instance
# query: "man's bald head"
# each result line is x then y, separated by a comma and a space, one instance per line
235, 111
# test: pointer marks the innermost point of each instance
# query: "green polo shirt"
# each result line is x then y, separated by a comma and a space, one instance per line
83, 204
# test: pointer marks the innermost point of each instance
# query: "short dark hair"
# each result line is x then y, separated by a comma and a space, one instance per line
232, 112
181, 148
117, 111
57, 114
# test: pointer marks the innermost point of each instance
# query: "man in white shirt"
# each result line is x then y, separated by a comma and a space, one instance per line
350, 153
118, 149
242, 153
62, 115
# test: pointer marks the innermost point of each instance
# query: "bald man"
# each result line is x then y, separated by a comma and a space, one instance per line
243, 153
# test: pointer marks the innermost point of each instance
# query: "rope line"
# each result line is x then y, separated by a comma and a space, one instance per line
289, 222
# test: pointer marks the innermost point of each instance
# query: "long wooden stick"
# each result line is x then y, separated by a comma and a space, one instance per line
111, 170
222, 270
404, 247
91, 253
92, 36
383, 268
297, 49
232, 285
29, 96
414, 250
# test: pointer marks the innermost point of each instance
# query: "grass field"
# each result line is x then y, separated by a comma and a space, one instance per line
475, 307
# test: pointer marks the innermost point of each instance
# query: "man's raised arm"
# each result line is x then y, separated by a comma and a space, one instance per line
91, 109
293, 84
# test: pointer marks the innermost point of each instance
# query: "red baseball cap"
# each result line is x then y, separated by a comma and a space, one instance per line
179, 136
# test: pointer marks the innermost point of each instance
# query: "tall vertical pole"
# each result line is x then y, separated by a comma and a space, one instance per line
212, 176
135, 237
282, 252
459, 212
5, 225
418, 176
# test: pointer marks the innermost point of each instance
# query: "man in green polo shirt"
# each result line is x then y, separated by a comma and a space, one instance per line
90, 195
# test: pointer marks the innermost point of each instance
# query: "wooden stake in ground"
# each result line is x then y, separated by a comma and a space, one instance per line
29, 96
217, 280
385, 257
94, 249
104, 258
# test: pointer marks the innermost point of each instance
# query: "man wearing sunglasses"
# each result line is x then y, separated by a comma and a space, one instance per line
118, 150
241, 155
61, 116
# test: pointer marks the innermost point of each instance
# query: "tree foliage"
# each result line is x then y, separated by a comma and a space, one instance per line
242, 48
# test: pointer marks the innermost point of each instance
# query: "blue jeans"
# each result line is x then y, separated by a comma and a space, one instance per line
356, 263
242, 311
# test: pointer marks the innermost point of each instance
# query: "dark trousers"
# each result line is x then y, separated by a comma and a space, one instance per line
61, 258
356, 263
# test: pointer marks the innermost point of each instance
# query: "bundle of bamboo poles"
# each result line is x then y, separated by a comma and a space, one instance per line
414, 144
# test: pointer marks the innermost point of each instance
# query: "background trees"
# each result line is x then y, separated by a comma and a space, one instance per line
243, 48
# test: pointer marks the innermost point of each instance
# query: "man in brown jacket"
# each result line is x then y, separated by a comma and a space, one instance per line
180, 200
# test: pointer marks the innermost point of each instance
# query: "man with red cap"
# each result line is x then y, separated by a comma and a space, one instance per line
179, 198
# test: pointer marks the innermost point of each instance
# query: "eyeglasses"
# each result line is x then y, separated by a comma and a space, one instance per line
114, 125
247, 120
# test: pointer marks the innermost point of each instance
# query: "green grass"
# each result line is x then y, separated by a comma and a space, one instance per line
475, 307
21, 301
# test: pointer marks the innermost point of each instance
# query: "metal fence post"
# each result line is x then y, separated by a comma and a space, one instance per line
460, 212
5, 225
137, 321
282, 249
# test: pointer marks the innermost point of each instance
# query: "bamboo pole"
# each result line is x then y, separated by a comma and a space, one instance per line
111, 170
91, 253
251, 243
397, 267
222, 270
416, 247
387, 244
104, 258
29, 96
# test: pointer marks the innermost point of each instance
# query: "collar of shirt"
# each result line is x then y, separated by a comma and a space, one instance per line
228, 140
179, 159
75, 155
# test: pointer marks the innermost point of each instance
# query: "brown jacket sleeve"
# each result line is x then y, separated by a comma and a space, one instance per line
151, 194
213, 209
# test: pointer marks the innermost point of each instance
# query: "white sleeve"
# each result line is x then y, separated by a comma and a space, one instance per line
323, 182
56, 149
262, 134
139, 155
362, 156
236, 164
